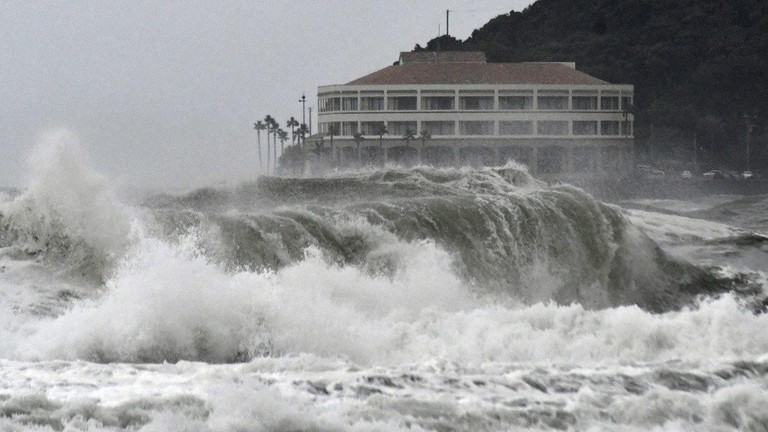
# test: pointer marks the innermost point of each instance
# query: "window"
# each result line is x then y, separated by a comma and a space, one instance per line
439, 127
329, 104
609, 103
398, 128
626, 128
552, 102
476, 102
475, 128
585, 127
372, 103
325, 128
349, 104
437, 103
515, 102
371, 127
626, 103
609, 128
348, 128
515, 127
401, 103
585, 103
552, 127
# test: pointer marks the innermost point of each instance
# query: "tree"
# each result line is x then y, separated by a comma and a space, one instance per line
408, 135
283, 137
424, 135
269, 122
275, 129
292, 160
259, 126
302, 132
358, 137
292, 123
381, 131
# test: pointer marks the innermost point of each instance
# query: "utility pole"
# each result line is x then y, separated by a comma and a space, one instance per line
310, 121
303, 101
447, 14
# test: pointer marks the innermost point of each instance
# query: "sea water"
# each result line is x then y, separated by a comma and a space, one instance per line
389, 299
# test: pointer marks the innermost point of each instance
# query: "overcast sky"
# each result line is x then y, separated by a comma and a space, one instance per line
165, 93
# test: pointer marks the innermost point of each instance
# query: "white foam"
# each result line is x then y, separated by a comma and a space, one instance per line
66, 197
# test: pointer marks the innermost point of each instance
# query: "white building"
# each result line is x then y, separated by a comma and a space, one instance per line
557, 120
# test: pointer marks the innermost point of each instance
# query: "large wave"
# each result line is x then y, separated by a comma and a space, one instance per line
387, 266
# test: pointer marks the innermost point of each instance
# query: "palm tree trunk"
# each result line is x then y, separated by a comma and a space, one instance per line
261, 162
274, 153
269, 159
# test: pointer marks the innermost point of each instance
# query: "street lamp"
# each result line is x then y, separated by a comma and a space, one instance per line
303, 101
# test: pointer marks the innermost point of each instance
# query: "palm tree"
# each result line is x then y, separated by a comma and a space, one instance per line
259, 126
381, 131
302, 131
423, 136
408, 135
283, 137
292, 123
358, 139
269, 121
275, 128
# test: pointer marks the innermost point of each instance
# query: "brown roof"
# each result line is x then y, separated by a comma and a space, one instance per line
477, 73
445, 56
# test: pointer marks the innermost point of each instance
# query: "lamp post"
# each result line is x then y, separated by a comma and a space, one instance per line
303, 101
310, 121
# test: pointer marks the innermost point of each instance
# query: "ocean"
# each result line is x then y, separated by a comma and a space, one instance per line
394, 299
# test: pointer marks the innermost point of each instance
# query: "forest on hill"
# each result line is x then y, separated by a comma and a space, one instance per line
699, 67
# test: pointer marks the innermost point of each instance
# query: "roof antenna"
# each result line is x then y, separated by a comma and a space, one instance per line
447, 14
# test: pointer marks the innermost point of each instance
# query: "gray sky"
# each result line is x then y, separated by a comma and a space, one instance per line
166, 92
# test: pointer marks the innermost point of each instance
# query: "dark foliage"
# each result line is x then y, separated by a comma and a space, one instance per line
698, 66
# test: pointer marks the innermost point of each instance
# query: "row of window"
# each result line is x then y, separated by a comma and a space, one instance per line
485, 128
481, 103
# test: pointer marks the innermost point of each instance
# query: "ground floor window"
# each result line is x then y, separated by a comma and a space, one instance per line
515, 127
609, 128
475, 128
585, 128
348, 128
371, 127
398, 128
439, 127
552, 127
626, 128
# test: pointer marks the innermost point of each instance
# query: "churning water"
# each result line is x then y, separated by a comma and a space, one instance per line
418, 299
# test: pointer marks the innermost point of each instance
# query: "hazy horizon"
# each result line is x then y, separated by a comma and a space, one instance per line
167, 94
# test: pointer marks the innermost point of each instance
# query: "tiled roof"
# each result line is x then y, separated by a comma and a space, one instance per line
474, 72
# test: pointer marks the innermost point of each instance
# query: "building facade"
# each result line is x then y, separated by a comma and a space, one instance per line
454, 108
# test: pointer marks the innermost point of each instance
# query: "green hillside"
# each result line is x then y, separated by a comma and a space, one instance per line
698, 66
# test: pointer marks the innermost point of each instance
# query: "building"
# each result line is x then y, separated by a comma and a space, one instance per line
553, 118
